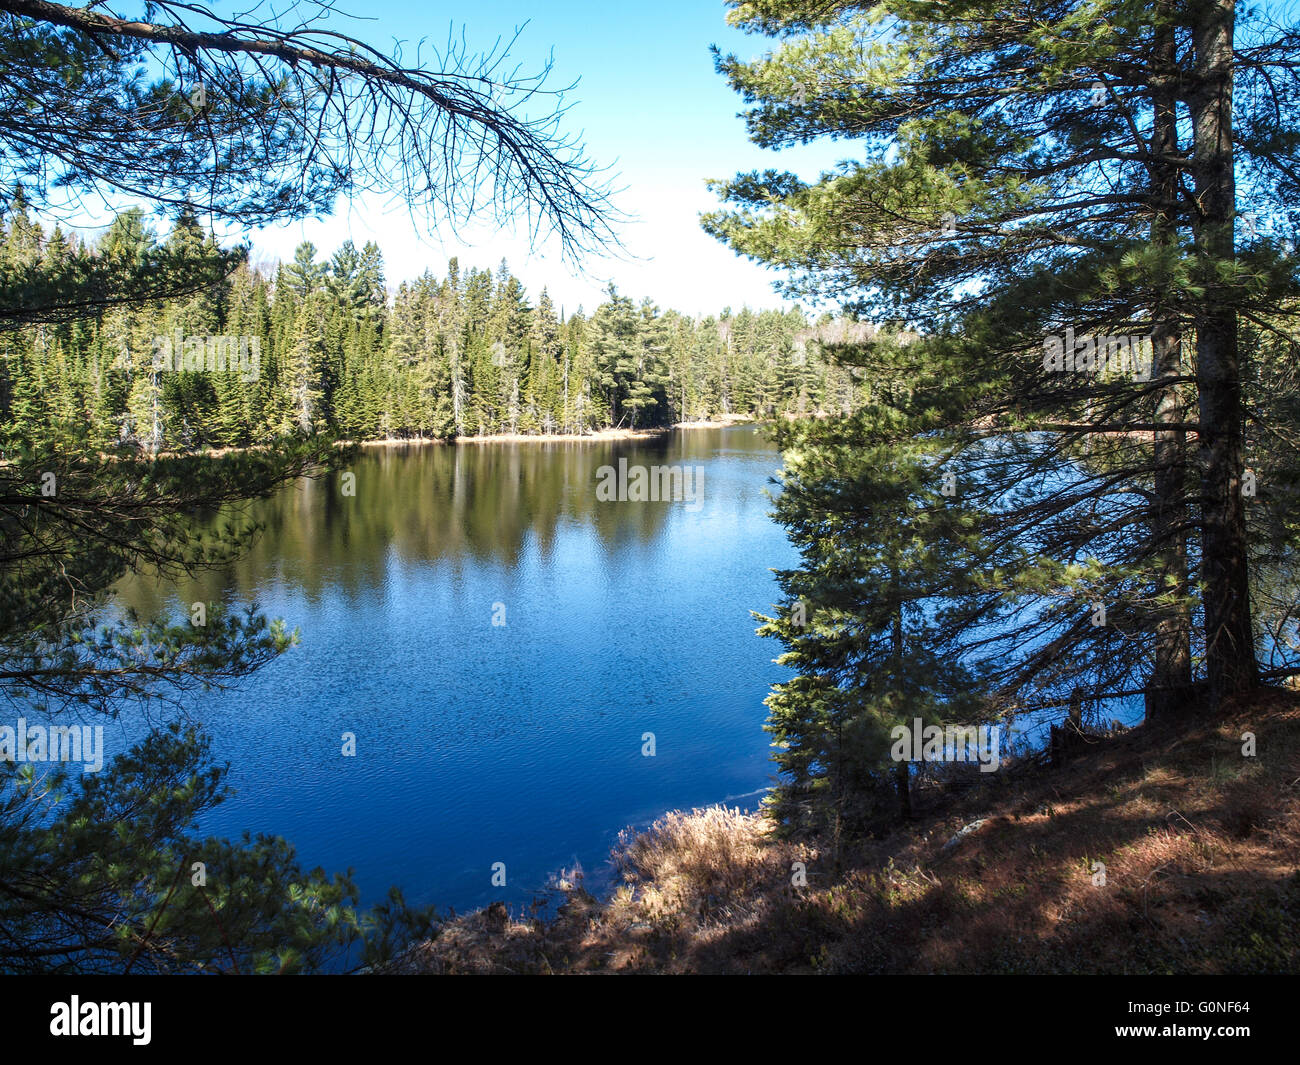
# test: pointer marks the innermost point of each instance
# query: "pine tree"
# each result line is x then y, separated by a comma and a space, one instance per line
304, 276
306, 364
1016, 192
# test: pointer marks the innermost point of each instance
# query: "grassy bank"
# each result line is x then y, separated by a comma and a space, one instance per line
1200, 844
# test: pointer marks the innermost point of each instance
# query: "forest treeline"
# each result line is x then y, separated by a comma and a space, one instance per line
325, 349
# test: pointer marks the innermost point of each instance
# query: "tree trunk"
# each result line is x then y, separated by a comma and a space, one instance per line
1230, 652
903, 771
903, 782
1171, 675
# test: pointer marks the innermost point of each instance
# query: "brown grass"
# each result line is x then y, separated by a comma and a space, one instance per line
1201, 848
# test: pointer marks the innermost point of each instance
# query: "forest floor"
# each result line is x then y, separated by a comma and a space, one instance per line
1200, 845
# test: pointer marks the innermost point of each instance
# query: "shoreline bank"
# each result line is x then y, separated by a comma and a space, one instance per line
559, 438
596, 436
1003, 875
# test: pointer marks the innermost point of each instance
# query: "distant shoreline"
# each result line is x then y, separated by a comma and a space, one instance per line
547, 438
492, 438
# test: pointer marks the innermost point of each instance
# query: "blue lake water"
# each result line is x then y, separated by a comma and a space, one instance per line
520, 743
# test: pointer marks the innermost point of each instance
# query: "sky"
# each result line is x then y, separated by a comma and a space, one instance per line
648, 104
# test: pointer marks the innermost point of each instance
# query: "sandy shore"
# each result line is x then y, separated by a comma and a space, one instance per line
717, 423
548, 438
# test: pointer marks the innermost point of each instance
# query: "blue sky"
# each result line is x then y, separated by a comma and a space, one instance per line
648, 103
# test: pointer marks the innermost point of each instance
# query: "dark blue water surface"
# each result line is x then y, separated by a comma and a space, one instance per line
518, 743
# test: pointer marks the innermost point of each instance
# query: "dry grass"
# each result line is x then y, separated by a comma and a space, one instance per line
1201, 848
694, 860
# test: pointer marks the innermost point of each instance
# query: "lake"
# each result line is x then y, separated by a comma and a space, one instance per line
519, 742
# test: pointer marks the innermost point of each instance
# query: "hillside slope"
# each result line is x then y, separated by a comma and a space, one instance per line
1200, 844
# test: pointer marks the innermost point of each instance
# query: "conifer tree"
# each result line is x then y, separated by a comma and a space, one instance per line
1035, 178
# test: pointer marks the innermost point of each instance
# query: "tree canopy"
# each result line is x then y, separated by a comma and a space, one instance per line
1045, 196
